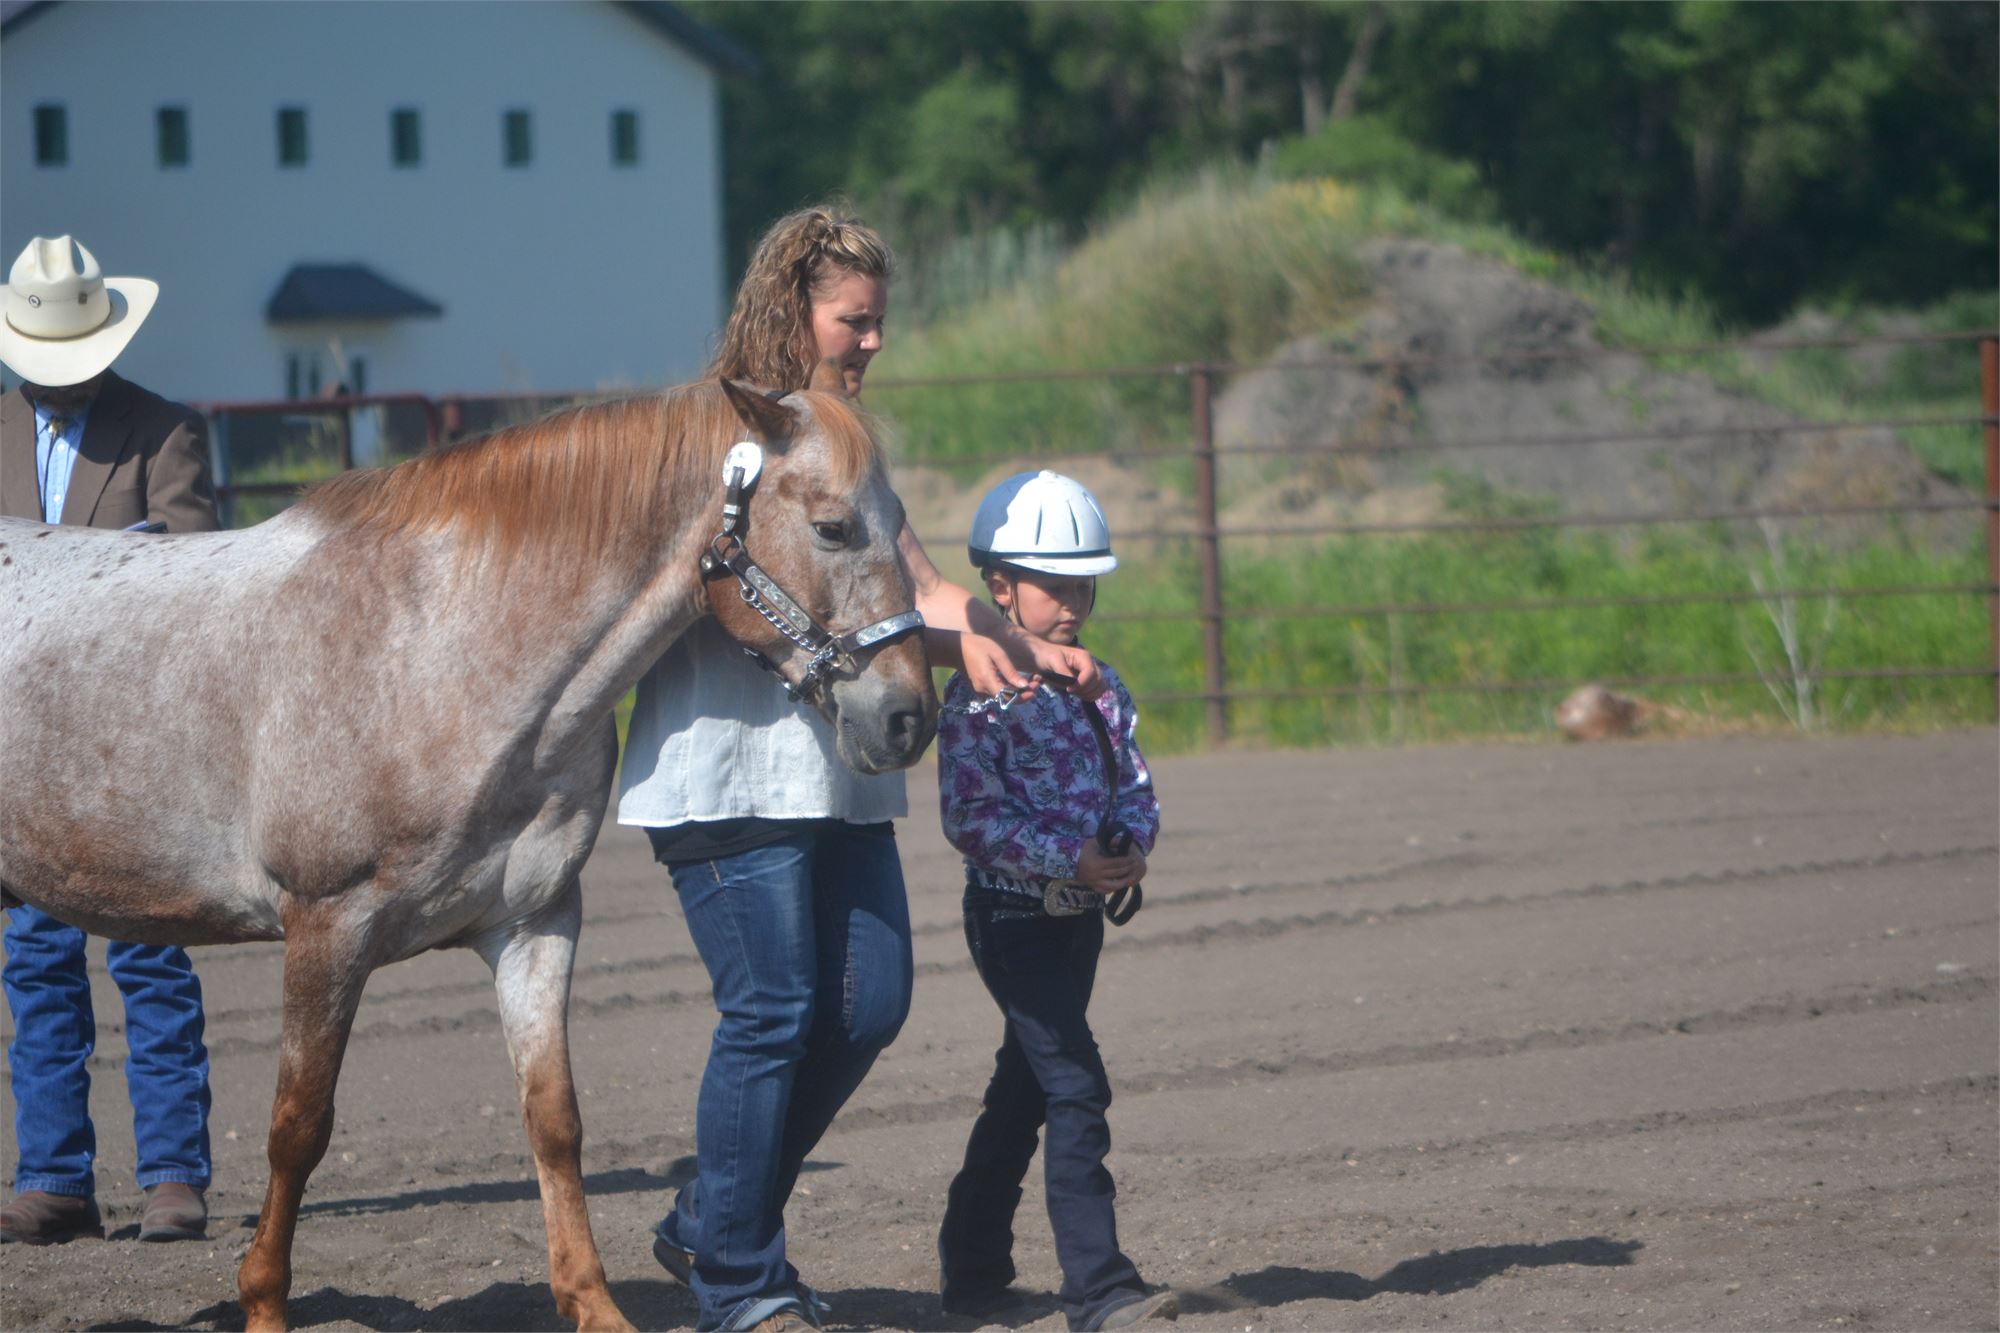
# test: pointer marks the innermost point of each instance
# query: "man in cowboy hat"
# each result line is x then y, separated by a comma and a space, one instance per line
78, 444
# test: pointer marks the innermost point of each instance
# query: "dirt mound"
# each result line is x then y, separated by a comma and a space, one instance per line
1437, 301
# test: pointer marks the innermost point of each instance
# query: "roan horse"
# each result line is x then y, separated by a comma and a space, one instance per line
381, 723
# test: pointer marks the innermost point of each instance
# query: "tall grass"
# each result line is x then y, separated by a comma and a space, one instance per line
1218, 269
1578, 643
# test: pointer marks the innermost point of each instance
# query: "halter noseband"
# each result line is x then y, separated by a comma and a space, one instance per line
727, 554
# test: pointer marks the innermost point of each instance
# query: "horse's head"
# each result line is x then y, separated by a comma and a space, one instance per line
810, 579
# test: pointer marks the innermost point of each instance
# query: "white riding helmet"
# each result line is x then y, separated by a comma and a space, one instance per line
1045, 522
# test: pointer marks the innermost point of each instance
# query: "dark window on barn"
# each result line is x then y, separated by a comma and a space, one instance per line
625, 138
173, 127
51, 135
517, 138
406, 142
291, 136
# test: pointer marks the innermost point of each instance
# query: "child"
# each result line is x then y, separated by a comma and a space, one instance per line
1026, 795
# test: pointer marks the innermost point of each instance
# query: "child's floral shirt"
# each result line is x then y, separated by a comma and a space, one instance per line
1022, 791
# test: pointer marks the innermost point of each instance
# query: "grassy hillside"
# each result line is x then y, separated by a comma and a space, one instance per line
1228, 266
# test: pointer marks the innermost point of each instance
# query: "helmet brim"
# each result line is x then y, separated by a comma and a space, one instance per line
1077, 566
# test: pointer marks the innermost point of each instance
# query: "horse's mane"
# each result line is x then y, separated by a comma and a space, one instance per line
580, 483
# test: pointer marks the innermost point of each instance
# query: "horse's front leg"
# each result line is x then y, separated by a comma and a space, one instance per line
531, 965
326, 965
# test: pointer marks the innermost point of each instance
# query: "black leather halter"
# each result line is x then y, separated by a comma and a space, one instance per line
831, 652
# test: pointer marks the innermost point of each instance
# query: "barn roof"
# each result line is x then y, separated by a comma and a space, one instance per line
712, 48
343, 291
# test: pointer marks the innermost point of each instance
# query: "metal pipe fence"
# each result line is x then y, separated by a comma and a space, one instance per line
449, 417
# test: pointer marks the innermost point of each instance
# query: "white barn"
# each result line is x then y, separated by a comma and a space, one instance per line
401, 197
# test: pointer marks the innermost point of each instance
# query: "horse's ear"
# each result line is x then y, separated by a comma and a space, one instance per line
769, 421
827, 378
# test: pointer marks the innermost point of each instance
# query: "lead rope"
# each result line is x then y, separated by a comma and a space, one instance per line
1113, 836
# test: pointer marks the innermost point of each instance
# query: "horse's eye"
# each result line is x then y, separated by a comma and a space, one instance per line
832, 533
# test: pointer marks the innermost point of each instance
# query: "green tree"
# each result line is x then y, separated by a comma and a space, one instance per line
1759, 153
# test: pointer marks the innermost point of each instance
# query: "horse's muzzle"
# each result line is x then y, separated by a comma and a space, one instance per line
882, 727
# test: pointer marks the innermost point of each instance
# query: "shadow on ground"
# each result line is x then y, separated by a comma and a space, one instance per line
505, 1307
624, 1180
1433, 1275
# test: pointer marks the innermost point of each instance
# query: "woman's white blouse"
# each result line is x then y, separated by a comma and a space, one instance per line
714, 737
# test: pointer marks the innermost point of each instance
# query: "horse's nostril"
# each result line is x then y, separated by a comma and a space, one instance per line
906, 728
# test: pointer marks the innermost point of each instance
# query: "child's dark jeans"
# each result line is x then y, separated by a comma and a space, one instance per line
1039, 969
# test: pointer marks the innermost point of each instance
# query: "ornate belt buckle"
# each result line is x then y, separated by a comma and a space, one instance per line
1069, 897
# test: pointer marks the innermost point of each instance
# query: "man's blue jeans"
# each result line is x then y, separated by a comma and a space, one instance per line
166, 1067
807, 944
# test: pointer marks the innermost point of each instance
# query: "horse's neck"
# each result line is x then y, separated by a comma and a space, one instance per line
628, 635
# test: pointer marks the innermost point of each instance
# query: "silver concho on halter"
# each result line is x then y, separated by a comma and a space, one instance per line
745, 457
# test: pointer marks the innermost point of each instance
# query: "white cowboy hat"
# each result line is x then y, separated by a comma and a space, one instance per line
65, 321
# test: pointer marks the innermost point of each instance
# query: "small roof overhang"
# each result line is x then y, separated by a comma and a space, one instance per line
342, 292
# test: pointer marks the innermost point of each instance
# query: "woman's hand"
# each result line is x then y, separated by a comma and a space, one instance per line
947, 607
989, 669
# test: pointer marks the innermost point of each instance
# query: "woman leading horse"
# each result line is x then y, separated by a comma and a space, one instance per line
784, 861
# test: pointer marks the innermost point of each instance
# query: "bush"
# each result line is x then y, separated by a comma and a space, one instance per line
1365, 151
1228, 267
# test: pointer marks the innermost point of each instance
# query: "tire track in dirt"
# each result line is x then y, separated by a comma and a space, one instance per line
1253, 929
1781, 1012
1430, 907
660, 1147
486, 1018
1972, 1088
1961, 989
1398, 1158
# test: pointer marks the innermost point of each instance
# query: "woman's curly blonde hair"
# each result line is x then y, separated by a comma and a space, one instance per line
769, 337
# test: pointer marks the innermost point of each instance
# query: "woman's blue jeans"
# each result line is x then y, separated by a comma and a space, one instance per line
166, 1067
807, 944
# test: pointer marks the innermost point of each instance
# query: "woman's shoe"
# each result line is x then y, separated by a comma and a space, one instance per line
1162, 1304
677, 1261
771, 1314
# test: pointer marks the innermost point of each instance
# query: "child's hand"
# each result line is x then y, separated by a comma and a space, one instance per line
1102, 872
1075, 667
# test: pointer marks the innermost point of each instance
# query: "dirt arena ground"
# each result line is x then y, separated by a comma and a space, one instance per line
1665, 1035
